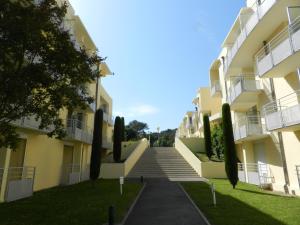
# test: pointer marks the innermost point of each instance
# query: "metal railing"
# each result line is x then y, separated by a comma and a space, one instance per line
31, 123
283, 45
241, 84
107, 118
283, 112
216, 87
20, 173
259, 9
298, 173
78, 130
71, 174
255, 173
248, 125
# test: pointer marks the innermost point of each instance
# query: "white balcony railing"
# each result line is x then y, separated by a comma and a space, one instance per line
19, 184
31, 123
248, 126
243, 84
249, 21
107, 118
77, 130
71, 174
255, 173
215, 88
283, 112
283, 45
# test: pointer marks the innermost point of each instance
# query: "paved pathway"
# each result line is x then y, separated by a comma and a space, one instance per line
164, 203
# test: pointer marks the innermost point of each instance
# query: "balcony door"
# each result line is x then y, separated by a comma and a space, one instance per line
259, 153
67, 163
16, 162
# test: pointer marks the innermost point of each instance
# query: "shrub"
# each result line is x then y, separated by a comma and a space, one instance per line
96, 145
207, 136
229, 146
117, 139
217, 139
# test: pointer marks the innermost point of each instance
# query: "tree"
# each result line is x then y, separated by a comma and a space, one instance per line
41, 71
166, 138
117, 139
218, 140
123, 129
229, 146
207, 136
96, 145
135, 130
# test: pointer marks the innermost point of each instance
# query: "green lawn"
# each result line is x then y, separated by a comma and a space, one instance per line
80, 204
246, 205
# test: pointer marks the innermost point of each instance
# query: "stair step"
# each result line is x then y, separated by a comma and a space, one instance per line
163, 162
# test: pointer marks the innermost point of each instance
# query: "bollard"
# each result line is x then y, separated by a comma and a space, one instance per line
142, 179
121, 184
213, 192
111, 215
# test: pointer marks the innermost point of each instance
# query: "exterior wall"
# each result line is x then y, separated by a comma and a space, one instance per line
45, 154
204, 169
284, 84
116, 170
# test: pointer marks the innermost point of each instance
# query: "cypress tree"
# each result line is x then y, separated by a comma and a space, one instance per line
229, 146
117, 139
207, 136
96, 145
123, 129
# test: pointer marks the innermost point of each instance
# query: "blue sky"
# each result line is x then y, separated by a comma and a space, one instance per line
159, 50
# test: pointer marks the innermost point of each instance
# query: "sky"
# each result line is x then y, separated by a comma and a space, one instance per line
159, 50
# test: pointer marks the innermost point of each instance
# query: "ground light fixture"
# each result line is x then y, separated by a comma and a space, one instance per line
121, 185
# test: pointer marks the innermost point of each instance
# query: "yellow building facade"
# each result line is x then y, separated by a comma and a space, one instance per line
41, 162
257, 73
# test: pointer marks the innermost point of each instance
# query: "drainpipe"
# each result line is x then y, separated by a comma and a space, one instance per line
245, 164
281, 146
226, 94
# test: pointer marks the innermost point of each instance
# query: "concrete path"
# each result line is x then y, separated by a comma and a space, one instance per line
164, 203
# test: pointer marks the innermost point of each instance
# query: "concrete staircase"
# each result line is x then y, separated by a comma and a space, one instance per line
163, 163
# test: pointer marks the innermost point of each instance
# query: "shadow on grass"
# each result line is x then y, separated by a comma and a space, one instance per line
229, 209
263, 193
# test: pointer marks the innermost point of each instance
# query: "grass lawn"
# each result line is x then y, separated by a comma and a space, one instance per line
246, 205
80, 204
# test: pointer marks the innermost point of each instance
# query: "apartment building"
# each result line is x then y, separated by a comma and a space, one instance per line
188, 126
205, 102
257, 73
41, 162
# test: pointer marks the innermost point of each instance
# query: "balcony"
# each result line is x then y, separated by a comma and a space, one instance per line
215, 90
243, 92
248, 23
280, 56
106, 143
248, 128
255, 173
17, 182
32, 124
108, 119
70, 174
284, 113
78, 131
